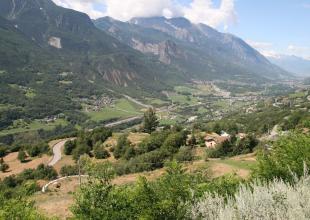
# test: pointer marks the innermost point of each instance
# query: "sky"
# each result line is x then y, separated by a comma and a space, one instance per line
273, 27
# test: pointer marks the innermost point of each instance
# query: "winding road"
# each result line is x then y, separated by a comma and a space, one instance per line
57, 148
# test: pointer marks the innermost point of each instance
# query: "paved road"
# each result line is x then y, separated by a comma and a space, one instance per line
137, 102
57, 152
113, 124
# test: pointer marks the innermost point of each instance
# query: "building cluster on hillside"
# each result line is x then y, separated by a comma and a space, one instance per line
212, 140
95, 103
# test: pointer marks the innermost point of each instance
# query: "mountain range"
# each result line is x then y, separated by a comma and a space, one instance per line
293, 64
197, 49
194, 50
142, 56
58, 40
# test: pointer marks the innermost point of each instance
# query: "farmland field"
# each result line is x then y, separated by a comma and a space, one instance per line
122, 109
34, 125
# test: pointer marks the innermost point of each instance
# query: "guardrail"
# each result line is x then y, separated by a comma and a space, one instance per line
45, 187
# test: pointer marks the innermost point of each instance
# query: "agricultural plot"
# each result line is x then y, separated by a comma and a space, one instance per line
34, 125
122, 109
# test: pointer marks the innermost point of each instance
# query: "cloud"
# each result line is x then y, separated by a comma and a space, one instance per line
86, 6
301, 51
203, 11
124, 10
265, 48
259, 45
198, 11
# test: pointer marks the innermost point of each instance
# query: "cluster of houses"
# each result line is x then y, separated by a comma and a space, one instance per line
96, 103
213, 139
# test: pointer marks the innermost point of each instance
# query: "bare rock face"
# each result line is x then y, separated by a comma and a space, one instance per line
164, 50
55, 42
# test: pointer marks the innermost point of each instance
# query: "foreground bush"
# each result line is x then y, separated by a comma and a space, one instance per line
277, 200
167, 198
288, 155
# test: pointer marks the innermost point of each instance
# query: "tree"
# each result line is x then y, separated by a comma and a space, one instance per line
184, 154
288, 156
19, 209
2, 151
69, 147
101, 153
69, 170
217, 128
170, 197
150, 121
192, 141
21, 156
173, 142
122, 144
3, 166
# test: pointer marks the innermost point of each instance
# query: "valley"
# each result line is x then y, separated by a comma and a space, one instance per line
148, 117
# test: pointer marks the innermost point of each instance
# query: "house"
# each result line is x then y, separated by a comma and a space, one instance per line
210, 142
213, 139
224, 134
241, 136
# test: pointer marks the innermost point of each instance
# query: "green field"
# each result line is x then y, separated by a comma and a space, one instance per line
297, 95
35, 125
182, 99
182, 89
157, 102
223, 104
241, 164
122, 109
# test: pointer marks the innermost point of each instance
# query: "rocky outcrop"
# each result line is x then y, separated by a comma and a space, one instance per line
55, 42
165, 50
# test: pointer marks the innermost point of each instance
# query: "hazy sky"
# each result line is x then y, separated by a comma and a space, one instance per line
271, 26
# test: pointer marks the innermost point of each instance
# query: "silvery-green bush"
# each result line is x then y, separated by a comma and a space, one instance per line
277, 201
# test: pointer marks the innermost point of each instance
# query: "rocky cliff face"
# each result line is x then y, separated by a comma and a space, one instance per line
197, 49
166, 50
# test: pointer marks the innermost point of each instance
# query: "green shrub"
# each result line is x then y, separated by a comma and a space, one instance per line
276, 200
21, 156
288, 155
4, 167
80, 150
184, 154
3, 151
122, 144
153, 142
69, 147
40, 173
69, 170
101, 153
38, 149
173, 142
167, 198
144, 162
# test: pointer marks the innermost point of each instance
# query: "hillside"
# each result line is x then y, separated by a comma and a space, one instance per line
80, 47
52, 58
197, 49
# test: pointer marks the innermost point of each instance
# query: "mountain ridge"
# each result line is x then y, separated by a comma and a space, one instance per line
212, 53
294, 64
80, 47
